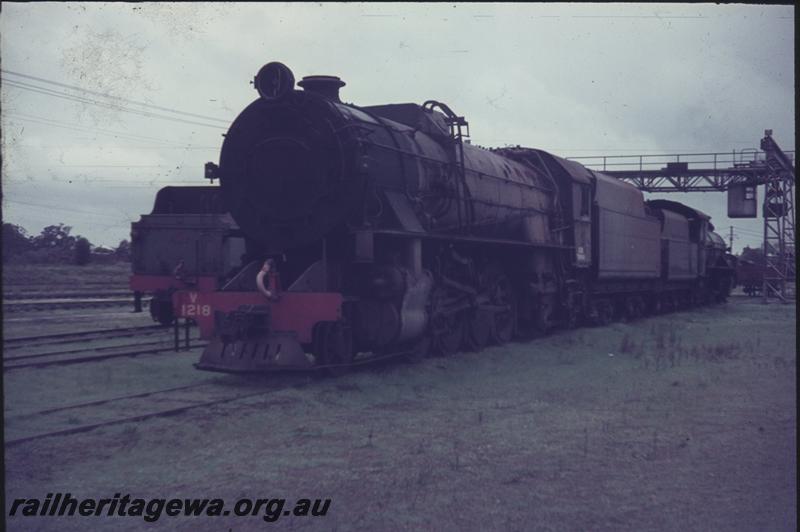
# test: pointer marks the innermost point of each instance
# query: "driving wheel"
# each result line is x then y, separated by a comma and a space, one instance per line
447, 326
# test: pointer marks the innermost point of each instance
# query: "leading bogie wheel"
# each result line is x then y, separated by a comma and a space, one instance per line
333, 346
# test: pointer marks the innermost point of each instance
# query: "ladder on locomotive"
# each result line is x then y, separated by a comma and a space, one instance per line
459, 130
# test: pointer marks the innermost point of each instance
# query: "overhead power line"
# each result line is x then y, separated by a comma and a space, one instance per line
80, 99
56, 208
136, 146
746, 231
108, 182
118, 165
85, 129
111, 97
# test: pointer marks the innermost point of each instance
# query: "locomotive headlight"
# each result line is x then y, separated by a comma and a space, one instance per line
274, 81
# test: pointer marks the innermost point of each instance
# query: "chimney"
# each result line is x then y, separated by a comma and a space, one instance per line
326, 86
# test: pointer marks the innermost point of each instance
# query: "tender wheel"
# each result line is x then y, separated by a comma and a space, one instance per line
161, 308
695, 299
634, 308
670, 303
605, 312
628, 309
447, 326
643, 309
655, 305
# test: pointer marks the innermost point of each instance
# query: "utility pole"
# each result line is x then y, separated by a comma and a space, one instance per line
731, 238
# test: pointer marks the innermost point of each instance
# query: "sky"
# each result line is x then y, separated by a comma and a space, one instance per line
92, 139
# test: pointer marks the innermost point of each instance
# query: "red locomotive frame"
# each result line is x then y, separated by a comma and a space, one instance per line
286, 323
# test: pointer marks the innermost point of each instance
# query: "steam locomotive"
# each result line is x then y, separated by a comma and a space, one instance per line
188, 242
381, 231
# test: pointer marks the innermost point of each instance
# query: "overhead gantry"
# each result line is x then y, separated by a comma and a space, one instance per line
737, 173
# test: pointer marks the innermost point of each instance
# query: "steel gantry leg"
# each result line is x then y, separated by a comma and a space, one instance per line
779, 235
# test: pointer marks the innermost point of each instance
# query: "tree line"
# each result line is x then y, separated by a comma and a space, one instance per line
55, 244
754, 255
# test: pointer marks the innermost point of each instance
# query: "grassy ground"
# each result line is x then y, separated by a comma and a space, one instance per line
64, 277
681, 422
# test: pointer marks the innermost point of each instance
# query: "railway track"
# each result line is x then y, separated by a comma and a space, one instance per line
32, 305
34, 295
80, 336
67, 316
96, 349
194, 394
183, 399
66, 357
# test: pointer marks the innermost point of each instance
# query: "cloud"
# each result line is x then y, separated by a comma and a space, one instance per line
576, 79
